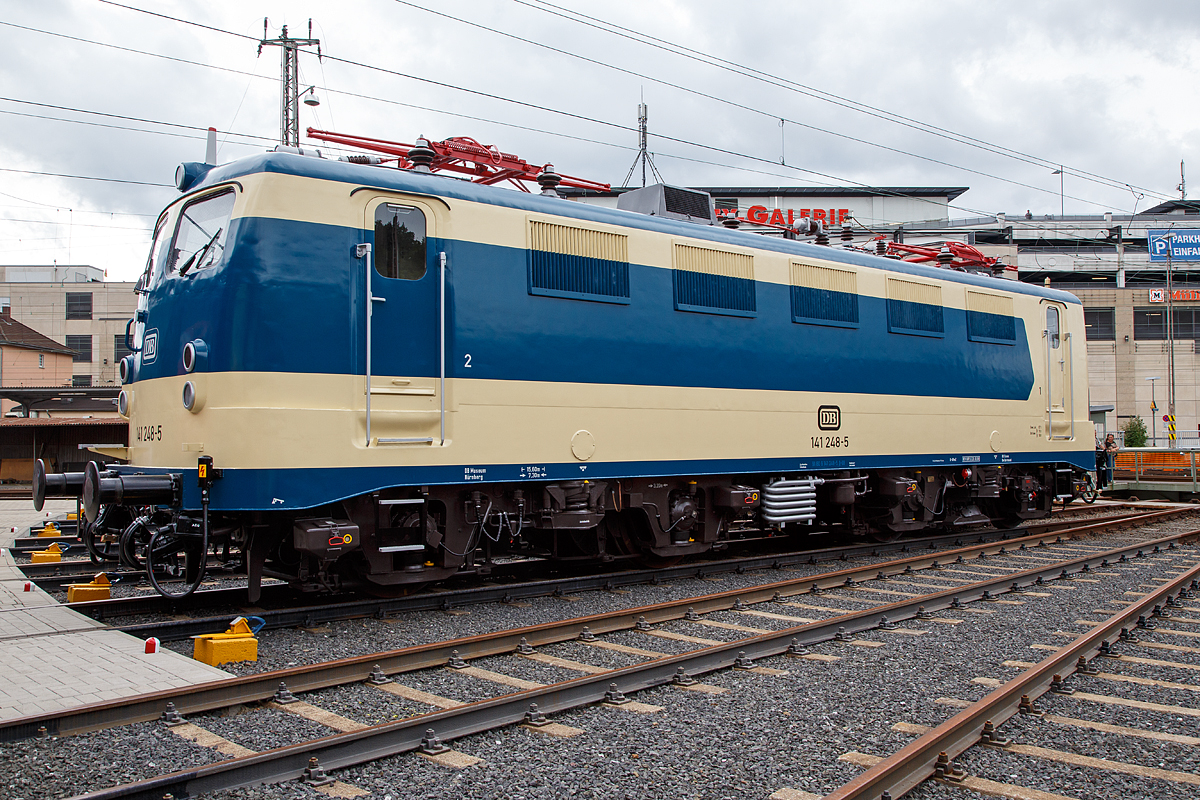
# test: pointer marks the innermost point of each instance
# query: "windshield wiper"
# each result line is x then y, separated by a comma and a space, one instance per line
198, 256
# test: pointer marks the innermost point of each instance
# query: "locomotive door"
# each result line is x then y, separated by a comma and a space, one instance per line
1060, 390
404, 301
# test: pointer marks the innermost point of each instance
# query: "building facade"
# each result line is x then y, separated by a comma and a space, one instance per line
76, 308
832, 206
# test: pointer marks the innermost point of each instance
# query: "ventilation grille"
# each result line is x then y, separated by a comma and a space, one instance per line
715, 281
824, 295
990, 318
681, 201
578, 263
915, 308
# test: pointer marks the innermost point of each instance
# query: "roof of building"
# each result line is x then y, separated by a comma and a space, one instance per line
949, 192
17, 334
1173, 207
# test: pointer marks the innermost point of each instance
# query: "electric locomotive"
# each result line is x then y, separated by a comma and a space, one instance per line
348, 375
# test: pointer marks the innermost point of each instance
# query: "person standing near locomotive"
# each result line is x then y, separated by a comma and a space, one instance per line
1110, 459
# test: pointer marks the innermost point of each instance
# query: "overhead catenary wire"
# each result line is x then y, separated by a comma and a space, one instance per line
606, 122
567, 114
678, 140
733, 103
815, 93
518, 102
84, 177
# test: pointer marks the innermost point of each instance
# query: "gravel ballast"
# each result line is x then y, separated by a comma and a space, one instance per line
767, 731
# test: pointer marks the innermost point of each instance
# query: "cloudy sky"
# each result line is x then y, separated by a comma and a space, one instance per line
988, 96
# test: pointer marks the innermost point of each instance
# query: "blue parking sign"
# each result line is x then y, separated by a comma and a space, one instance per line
1176, 245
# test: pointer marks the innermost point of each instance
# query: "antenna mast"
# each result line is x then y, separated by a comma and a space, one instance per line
1182, 182
289, 110
643, 154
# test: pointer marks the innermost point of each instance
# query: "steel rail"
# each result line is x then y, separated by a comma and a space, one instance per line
174, 630
253, 688
345, 750
914, 763
381, 741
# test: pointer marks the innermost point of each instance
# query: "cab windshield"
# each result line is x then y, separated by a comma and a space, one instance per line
201, 234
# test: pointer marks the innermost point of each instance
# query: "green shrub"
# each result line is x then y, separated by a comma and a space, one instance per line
1135, 432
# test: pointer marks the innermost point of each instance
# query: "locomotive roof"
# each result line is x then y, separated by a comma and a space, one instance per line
405, 180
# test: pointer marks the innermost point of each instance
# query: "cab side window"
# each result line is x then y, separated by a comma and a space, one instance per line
1052, 327
400, 242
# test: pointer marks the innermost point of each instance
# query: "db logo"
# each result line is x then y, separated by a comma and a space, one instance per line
150, 346
829, 418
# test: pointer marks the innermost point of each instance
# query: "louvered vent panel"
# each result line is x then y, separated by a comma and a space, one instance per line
714, 280
990, 318
998, 304
679, 201
824, 295
915, 308
577, 262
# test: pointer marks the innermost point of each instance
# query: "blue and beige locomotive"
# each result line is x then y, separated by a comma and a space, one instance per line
358, 377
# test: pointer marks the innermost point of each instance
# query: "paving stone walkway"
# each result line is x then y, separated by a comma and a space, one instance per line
53, 658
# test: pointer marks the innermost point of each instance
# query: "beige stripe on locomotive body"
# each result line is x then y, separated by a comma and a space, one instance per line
302, 199
254, 420
318, 420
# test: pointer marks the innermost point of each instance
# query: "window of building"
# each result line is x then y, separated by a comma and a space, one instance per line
82, 345
1187, 322
1150, 324
1100, 324
400, 242
119, 348
915, 308
714, 281
578, 263
79, 305
41, 360
824, 296
81, 380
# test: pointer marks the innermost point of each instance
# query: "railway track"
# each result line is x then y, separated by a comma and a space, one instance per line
331, 673
979, 724
452, 723
428, 733
514, 584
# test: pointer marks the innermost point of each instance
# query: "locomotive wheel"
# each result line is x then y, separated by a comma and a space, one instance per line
175, 564
623, 531
883, 535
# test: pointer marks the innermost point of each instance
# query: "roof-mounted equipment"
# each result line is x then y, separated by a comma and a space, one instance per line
483, 163
672, 202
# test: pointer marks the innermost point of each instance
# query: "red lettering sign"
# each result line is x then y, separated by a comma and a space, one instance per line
781, 217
